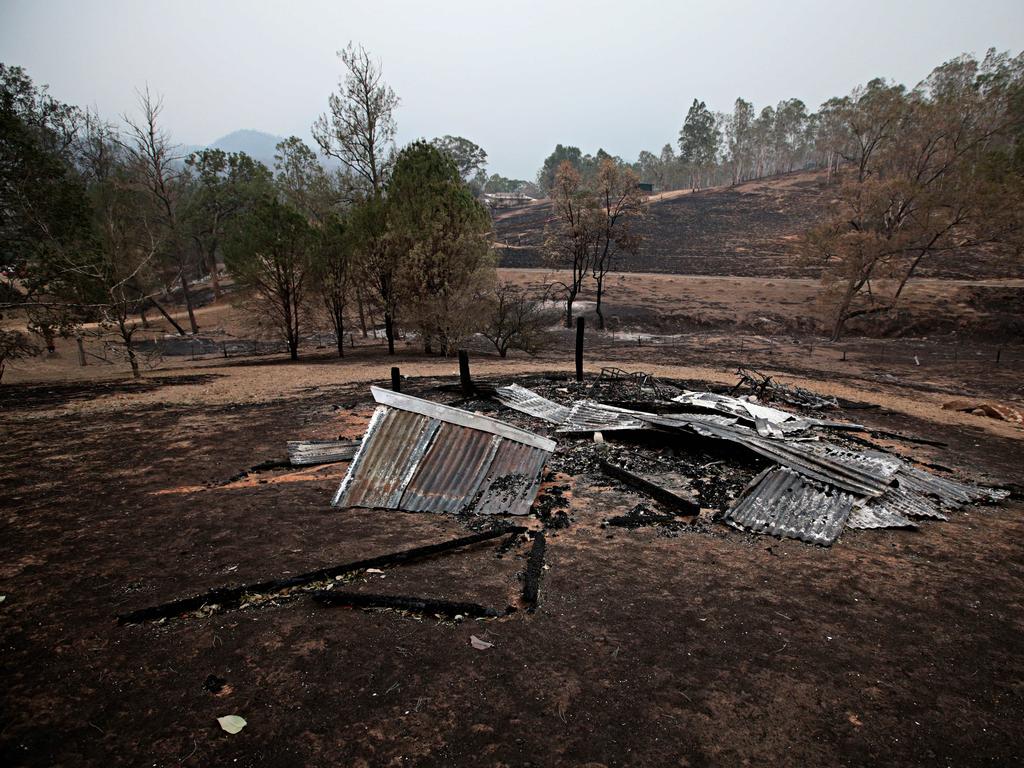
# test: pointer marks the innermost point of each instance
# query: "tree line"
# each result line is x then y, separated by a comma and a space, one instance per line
715, 148
103, 223
914, 172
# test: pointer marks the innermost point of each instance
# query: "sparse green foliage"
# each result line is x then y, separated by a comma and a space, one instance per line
928, 173
469, 158
359, 127
223, 186
517, 318
333, 267
442, 233
269, 250
699, 141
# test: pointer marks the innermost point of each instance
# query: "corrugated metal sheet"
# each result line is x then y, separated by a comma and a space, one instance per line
950, 493
769, 422
588, 416
816, 460
420, 456
782, 503
875, 516
905, 502
734, 407
529, 402
303, 452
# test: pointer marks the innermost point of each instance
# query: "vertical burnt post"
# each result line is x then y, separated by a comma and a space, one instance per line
464, 379
579, 349
396, 379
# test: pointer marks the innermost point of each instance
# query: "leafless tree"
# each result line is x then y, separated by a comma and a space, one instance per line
161, 173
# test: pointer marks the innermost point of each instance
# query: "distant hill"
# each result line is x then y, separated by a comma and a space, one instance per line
257, 144
753, 229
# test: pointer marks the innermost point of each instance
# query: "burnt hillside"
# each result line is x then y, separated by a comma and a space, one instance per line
750, 230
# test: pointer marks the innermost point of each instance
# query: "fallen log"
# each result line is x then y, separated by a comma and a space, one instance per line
684, 504
425, 605
229, 597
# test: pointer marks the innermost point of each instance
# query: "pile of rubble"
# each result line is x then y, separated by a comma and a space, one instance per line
422, 456
813, 489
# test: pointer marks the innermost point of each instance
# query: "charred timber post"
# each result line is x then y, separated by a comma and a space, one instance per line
396, 379
425, 605
230, 597
579, 349
464, 379
534, 568
685, 505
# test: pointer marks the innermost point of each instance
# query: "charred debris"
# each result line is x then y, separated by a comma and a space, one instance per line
761, 457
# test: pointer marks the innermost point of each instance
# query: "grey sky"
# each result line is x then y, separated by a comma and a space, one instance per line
515, 77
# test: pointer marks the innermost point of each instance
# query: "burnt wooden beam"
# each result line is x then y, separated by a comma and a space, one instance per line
534, 568
579, 348
228, 597
684, 504
465, 381
425, 605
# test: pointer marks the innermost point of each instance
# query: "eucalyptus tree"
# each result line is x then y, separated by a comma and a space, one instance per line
359, 126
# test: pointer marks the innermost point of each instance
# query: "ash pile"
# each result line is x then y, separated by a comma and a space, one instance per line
734, 459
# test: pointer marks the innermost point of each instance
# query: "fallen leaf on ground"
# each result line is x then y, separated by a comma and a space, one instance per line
231, 723
480, 645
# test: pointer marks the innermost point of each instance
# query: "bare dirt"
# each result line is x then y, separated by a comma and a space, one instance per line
690, 646
680, 644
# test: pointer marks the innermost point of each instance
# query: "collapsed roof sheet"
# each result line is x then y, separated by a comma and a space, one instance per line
877, 517
529, 402
420, 456
588, 416
782, 503
733, 406
950, 493
819, 461
769, 422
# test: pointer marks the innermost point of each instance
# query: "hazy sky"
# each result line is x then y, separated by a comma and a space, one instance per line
515, 76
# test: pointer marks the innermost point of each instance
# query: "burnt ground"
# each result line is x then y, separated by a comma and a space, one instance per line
689, 645
752, 230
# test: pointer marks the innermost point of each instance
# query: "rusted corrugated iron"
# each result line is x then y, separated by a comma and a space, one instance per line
304, 452
529, 402
420, 456
782, 503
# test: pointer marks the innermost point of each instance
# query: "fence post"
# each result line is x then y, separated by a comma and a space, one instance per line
579, 349
464, 379
396, 379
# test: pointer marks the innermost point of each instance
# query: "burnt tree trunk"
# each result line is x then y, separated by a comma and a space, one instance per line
188, 304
